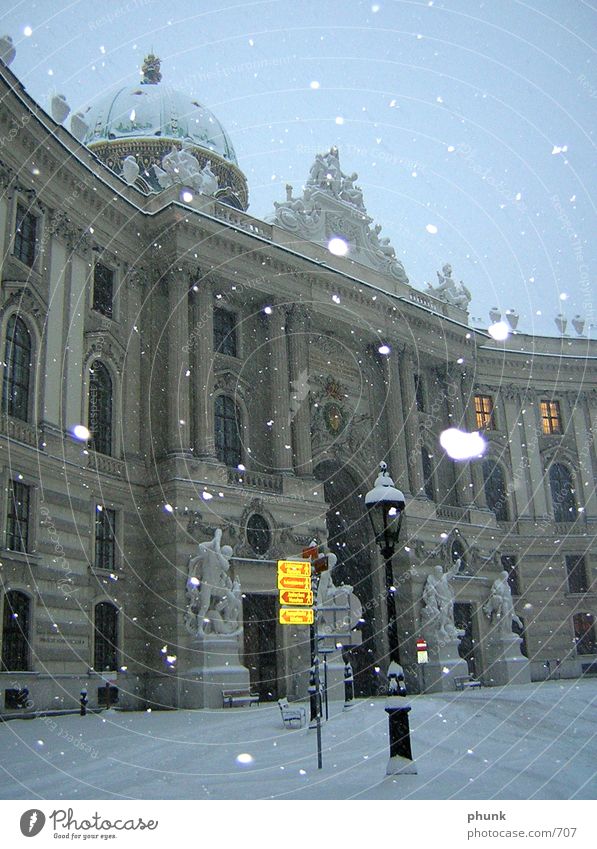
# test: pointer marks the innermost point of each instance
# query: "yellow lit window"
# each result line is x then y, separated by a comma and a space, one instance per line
484, 411
551, 418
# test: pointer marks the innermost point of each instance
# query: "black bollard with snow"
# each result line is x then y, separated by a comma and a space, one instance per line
314, 696
348, 686
83, 702
401, 760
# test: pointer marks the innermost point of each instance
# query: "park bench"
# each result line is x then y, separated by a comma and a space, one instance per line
292, 717
464, 682
239, 698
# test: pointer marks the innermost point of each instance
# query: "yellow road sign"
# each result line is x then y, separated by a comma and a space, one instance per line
296, 597
296, 616
294, 582
294, 567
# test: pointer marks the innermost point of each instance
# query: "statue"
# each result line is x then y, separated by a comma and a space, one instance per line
499, 607
439, 596
329, 596
351, 193
449, 291
181, 167
214, 601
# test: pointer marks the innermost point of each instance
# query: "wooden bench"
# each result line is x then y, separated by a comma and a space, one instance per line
462, 682
239, 698
292, 717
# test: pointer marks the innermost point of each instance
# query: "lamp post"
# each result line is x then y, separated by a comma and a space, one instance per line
385, 506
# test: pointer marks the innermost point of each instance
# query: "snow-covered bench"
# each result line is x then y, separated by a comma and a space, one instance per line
239, 698
292, 717
464, 682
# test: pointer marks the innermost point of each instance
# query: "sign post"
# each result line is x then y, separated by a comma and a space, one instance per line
297, 585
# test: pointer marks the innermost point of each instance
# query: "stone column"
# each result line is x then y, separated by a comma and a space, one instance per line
395, 421
463, 470
585, 450
280, 410
470, 423
299, 410
200, 343
531, 421
521, 483
179, 440
411, 423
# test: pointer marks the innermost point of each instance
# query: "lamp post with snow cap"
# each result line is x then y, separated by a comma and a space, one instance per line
385, 506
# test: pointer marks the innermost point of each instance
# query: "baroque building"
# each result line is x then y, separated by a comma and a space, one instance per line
172, 365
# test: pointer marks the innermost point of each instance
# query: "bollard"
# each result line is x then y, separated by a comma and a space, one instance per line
314, 697
348, 686
401, 759
83, 702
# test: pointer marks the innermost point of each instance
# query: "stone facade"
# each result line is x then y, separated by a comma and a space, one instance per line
317, 406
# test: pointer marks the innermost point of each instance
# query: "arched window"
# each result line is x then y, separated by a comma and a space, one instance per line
17, 368
495, 490
227, 431
105, 656
428, 474
584, 633
562, 493
16, 626
100, 408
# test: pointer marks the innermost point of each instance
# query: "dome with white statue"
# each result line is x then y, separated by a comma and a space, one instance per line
149, 121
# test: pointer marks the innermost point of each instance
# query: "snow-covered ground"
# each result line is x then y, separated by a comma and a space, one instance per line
528, 742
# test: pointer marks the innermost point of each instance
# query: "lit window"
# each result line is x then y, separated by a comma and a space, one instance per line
105, 538
227, 431
17, 519
225, 332
100, 408
15, 632
103, 289
25, 236
551, 417
105, 656
484, 412
17, 369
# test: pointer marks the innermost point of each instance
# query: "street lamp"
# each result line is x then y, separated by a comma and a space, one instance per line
385, 506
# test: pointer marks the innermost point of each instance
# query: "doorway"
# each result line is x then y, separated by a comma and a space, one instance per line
260, 624
463, 619
348, 538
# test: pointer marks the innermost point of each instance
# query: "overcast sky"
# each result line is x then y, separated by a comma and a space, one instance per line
477, 118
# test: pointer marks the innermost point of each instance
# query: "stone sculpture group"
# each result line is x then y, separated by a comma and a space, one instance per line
213, 599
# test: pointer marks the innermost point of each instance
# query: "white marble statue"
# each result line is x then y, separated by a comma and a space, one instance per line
180, 167
349, 608
332, 203
449, 291
438, 595
130, 170
499, 607
214, 601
